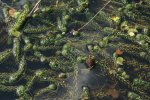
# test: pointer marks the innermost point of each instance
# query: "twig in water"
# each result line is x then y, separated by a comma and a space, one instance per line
35, 8
94, 15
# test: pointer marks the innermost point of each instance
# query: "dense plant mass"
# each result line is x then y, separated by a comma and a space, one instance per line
56, 49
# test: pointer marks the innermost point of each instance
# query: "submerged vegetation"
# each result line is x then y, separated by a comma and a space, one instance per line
56, 49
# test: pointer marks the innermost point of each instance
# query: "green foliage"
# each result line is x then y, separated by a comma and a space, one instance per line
51, 49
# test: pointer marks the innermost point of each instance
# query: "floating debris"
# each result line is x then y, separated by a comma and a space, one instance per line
11, 12
51, 42
119, 52
90, 61
120, 60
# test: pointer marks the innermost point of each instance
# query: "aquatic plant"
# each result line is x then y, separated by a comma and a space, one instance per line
50, 43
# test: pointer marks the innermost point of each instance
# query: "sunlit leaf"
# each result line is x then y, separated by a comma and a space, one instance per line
120, 61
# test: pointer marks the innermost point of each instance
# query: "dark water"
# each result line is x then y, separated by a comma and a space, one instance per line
96, 79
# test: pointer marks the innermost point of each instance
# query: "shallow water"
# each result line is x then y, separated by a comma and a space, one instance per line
99, 83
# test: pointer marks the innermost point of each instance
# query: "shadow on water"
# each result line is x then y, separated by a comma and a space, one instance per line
94, 78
